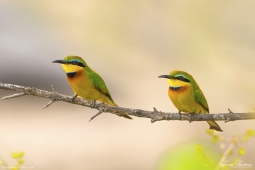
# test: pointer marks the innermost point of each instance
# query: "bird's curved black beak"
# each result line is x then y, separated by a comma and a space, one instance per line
60, 61
166, 76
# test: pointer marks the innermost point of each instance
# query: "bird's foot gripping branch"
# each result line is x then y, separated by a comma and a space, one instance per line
154, 115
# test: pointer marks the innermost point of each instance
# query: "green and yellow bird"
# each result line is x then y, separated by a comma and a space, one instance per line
186, 95
85, 82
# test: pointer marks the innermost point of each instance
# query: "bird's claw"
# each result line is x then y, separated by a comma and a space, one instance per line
93, 104
190, 117
73, 97
180, 115
200, 116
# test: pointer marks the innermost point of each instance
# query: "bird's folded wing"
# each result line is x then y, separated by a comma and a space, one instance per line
200, 98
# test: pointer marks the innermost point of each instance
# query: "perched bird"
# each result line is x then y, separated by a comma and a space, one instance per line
186, 95
85, 82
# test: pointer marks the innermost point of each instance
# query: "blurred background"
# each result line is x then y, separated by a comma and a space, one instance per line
129, 43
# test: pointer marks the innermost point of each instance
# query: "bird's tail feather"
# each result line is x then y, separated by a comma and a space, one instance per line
214, 126
126, 116
122, 115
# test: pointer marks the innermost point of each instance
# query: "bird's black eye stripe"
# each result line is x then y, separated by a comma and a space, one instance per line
80, 64
181, 78
75, 62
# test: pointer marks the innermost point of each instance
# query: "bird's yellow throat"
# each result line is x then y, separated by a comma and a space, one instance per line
71, 68
176, 83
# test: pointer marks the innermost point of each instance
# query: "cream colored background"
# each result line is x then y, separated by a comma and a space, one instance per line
129, 43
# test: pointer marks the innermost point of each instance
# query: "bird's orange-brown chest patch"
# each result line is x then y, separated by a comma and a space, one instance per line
179, 95
178, 89
77, 80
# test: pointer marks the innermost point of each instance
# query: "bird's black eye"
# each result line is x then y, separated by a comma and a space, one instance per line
181, 78
75, 62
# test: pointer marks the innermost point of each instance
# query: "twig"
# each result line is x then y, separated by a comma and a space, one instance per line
53, 99
96, 115
226, 154
13, 96
48, 104
101, 107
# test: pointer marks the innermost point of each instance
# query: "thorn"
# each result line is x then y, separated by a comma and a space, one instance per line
47, 105
153, 120
155, 110
230, 110
74, 97
96, 115
53, 89
13, 96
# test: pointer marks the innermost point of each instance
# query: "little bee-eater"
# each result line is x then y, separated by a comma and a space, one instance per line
186, 95
85, 82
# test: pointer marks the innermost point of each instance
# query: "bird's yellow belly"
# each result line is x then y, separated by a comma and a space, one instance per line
84, 89
184, 101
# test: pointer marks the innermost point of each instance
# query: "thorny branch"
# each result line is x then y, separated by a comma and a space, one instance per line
154, 115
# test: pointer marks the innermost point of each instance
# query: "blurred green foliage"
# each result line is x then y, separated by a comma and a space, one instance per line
190, 156
198, 157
